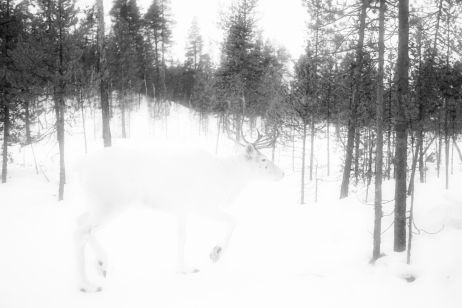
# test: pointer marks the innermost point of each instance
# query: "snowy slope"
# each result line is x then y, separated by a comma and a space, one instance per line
282, 254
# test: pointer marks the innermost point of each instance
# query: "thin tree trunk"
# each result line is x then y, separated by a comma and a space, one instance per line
415, 158
411, 221
446, 112
379, 147
60, 88
103, 76
422, 109
328, 146
369, 164
6, 109
293, 149
401, 127
438, 153
420, 139
328, 128
389, 132
312, 129
302, 195
355, 102
122, 108
273, 151
59, 111
356, 158
446, 145
452, 158
35, 159
389, 154
82, 110
457, 148
218, 135
6, 135
93, 113
27, 121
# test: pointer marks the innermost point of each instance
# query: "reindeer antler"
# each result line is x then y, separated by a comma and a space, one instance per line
264, 141
259, 143
243, 137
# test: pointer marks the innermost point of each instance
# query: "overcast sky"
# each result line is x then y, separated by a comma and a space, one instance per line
283, 22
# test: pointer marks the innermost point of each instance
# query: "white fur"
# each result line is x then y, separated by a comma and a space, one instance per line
171, 180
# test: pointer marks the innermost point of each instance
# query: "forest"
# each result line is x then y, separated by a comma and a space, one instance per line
379, 80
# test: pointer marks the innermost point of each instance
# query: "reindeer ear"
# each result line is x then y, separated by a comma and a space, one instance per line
249, 151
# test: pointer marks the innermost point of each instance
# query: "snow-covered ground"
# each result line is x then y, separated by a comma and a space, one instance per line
282, 254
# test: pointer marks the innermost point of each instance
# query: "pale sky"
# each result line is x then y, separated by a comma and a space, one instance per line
282, 22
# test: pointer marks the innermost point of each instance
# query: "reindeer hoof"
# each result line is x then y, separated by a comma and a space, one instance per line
90, 288
187, 270
101, 268
216, 253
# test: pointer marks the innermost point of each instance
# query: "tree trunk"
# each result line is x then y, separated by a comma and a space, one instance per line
457, 148
401, 127
389, 154
356, 158
302, 195
368, 166
27, 121
420, 139
411, 222
273, 151
415, 158
328, 128
312, 129
328, 146
438, 153
82, 111
218, 134
103, 75
446, 145
59, 111
60, 87
379, 146
122, 108
6, 135
293, 150
3, 100
355, 102
420, 104
452, 158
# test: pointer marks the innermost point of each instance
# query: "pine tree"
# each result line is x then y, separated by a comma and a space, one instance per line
194, 46
401, 127
158, 23
15, 82
126, 53
352, 120
103, 74
240, 52
379, 148
60, 48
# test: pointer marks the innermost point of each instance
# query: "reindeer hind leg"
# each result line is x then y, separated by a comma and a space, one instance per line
82, 237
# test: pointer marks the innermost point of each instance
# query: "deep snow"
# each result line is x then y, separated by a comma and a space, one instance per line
282, 254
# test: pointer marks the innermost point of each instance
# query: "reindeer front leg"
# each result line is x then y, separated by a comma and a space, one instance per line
181, 233
230, 222
82, 237
101, 258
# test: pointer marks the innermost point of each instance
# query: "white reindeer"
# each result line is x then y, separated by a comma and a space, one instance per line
202, 184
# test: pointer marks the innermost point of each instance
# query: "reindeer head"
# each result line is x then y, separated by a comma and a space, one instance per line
263, 166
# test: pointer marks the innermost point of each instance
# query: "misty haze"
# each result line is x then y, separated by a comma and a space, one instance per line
230, 153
